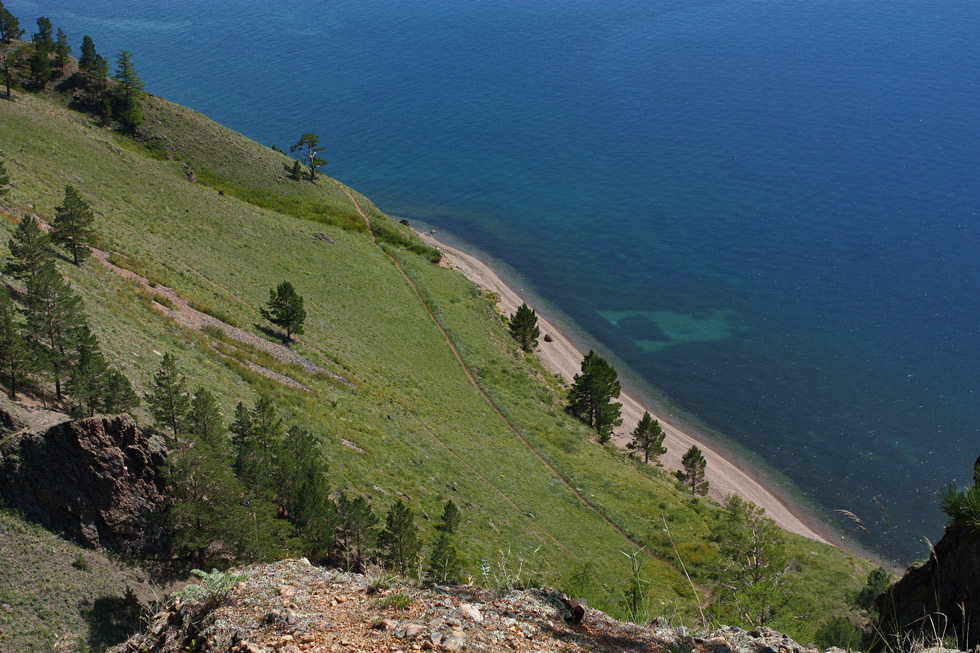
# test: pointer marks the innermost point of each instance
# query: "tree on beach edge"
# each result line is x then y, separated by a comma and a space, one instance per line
591, 396
524, 327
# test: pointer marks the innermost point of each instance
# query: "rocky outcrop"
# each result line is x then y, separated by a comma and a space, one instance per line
292, 606
937, 599
95, 480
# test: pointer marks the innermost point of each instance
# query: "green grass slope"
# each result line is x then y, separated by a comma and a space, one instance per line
533, 486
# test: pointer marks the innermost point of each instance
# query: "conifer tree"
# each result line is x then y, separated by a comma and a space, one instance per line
72, 227
449, 521
8, 65
86, 63
241, 437
285, 310
356, 528
61, 51
100, 80
591, 395
204, 419
40, 66
54, 312
303, 493
524, 327
648, 438
297, 170
14, 358
118, 394
130, 91
9, 26
168, 398
399, 541
87, 379
445, 564
692, 473
28, 249
4, 180
45, 33
311, 143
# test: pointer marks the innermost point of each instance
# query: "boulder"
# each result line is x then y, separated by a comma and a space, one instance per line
95, 480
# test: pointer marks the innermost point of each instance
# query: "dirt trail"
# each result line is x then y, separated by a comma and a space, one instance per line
493, 406
182, 313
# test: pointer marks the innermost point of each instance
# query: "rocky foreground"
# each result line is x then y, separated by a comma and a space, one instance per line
292, 606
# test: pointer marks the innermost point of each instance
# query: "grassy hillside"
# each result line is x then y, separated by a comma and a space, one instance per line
530, 481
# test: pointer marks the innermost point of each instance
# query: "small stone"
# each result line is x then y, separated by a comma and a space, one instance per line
453, 644
287, 591
388, 624
341, 599
291, 617
435, 639
471, 612
413, 630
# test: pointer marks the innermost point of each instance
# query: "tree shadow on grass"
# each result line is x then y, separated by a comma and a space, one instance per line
112, 619
272, 333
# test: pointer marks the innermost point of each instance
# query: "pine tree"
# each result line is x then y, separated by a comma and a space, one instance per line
28, 249
61, 51
591, 395
356, 530
285, 310
204, 419
72, 227
9, 26
311, 143
119, 396
524, 327
130, 91
86, 63
297, 170
449, 521
14, 358
241, 437
648, 438
87, 379
445, 565
45, 33
100, 80
4, 180
8, 65
54, 312
168, 399
399, 541
40, 66
692, 473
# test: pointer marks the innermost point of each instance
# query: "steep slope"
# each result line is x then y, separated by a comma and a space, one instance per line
531, 484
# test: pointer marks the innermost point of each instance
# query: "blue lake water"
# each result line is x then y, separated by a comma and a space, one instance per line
769, 210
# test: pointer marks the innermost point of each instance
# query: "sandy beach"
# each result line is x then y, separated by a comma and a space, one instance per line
562, 357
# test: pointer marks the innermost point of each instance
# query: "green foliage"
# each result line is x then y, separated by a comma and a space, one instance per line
72, 228
40, 66
297, 172
54, 313
129, 92
524, 327
9, 26
398, 601
311, 143
285, 310
399, 542
213, 588
4, 180
840, 632
692, 469
636, 595
592, 394
648, 438
878, 581
356, 529
28, 249
88, 374
204, 418
61, 51
445, 564
86, 63
44, 34
449, 521
168, 399
961, 506
754, 562
15, 362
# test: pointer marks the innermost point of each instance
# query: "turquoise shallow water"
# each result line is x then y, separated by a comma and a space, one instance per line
769, 210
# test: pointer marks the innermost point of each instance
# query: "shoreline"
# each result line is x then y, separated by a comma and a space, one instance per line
562, 356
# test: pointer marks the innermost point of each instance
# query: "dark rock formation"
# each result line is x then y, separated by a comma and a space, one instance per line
95, 480
940, 597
